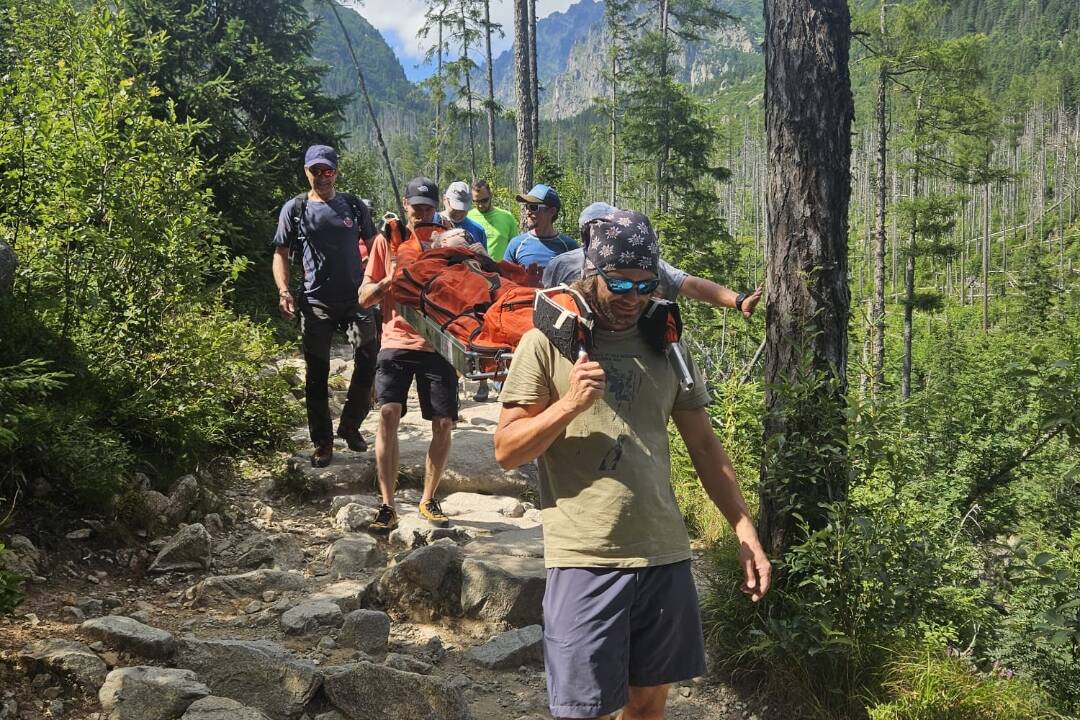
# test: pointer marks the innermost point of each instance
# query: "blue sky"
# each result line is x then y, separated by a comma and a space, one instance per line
398, 21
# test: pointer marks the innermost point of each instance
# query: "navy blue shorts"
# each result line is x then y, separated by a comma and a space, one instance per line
609, 629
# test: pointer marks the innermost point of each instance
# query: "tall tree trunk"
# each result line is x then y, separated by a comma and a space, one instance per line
468, 92
370, 108
878, 309
614, 129
534, 78
438, 104
661, 160
490, 84
808, 114
524, 96
986, 259
909, 289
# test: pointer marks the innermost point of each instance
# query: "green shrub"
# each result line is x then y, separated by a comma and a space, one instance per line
928, 686
123, 284
10, 588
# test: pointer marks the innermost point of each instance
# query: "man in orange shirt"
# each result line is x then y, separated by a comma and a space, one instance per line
406, 355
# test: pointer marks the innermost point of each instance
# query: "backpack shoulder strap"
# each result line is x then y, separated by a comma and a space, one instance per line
297, 236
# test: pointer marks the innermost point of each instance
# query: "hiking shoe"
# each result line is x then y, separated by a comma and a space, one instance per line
352, 438
324, 453
481, 392
385, 520
432, 512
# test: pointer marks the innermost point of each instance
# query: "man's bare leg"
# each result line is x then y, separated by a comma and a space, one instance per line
646, 703
387, 450
437, 455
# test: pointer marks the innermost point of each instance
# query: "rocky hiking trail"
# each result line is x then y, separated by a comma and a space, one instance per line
268, 599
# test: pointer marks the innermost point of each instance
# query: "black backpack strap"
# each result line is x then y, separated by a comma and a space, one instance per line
297, 236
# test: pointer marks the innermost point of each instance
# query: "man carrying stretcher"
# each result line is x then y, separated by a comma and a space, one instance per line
405, 356
621, 620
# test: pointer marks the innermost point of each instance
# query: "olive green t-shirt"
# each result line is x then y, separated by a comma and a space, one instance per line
605, 483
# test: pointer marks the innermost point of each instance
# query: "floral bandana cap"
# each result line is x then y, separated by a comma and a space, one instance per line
621, 240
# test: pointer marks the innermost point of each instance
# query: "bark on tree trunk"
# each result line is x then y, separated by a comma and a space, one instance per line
614, 129
468, 92
524, 96
878, 312
491, 86
534, 78
438, 107
808, 114
986, 259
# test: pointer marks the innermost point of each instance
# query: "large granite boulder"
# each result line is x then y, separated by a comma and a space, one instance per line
66, 658
149, 693
187, 550
503, 588
424, 584
131, 635
257, 673
377, 692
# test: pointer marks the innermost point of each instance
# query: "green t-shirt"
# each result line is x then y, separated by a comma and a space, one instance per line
605, 484
500, 225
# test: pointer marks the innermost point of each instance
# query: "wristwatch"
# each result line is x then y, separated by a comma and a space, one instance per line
738, 301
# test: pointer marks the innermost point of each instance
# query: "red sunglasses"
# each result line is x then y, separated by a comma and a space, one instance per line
325, 172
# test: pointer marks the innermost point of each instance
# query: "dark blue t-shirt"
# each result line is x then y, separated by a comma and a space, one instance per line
333, 270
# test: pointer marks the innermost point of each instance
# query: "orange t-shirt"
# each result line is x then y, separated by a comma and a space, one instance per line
396, 333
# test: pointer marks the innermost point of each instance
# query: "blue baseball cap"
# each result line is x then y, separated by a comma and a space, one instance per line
543, 195
320, 155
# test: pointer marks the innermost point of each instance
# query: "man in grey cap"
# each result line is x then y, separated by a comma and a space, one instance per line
457, 201
567, 268
326, 228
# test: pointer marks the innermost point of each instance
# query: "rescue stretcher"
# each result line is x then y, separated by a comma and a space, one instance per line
470, 364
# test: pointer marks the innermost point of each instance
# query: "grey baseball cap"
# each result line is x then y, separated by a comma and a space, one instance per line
458, 196
594, 211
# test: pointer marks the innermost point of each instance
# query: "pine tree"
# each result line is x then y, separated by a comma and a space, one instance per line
809, 111
245, 69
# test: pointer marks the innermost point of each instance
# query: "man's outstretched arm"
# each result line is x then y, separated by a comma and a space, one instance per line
698, 288
717, 476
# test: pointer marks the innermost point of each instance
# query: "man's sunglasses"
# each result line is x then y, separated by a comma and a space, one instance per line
482, 201
535, 207
621, 286
324, 172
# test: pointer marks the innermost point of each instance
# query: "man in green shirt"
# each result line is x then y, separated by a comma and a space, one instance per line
499, 224
621, 617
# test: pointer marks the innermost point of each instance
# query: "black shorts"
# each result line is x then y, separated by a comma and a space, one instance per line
436, 382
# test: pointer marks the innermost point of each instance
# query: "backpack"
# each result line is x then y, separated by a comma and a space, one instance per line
298, 236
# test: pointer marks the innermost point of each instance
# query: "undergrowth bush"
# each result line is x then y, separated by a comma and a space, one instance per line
923, 685
119, 308
957, 538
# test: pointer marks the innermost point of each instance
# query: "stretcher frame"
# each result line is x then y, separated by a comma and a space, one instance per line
469, 363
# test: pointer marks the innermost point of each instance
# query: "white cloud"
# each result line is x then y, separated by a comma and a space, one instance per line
401, 19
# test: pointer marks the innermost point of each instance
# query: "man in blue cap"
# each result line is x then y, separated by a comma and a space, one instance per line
325, 228
535, 248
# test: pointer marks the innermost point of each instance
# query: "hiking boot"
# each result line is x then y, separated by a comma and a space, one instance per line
324, 453
352, 437
481, 392
385, 520
432, 512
